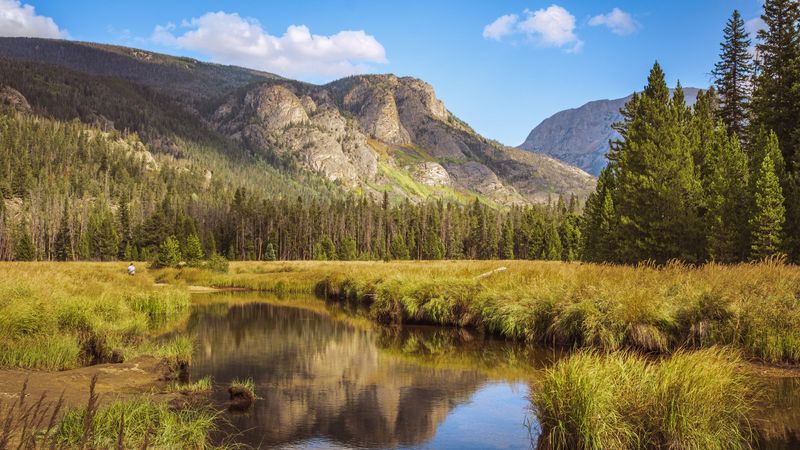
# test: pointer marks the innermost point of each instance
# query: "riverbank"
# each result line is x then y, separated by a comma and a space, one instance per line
752, 307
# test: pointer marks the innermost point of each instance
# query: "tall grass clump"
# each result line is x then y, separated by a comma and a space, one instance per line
620, 400
56, 316
132, 423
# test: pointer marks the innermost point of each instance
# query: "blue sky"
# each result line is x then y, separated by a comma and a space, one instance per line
539, 58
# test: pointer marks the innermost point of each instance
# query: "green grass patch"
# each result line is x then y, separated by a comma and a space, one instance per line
141, 421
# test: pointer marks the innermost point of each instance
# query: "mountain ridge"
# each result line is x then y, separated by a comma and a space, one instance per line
369, 133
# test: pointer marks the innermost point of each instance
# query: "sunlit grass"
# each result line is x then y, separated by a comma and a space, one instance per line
142, 421
755, 307
57, 316
694, 399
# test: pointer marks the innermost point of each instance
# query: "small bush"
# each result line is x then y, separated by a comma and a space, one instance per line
217, 263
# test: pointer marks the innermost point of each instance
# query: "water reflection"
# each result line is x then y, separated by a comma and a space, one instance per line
326, 383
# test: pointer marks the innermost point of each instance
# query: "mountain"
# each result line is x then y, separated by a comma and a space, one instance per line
580, 136
370, 133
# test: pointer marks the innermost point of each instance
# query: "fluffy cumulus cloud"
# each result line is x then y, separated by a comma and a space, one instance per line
503, 26
228, 38
553, 26
17, 19
618, 21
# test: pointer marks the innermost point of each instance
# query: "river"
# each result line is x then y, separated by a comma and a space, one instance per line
327, 379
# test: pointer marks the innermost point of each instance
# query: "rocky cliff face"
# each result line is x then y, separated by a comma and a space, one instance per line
370, 133
363, 130
580, 136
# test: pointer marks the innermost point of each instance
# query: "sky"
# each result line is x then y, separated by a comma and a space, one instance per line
501, 66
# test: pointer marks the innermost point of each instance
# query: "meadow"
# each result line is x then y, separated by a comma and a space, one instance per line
656, 356
57, 316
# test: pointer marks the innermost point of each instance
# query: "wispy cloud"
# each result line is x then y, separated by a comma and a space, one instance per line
17, 19
231, 39
618, 21
553, 26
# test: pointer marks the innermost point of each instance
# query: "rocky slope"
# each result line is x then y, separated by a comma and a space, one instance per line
369, 133
580, 136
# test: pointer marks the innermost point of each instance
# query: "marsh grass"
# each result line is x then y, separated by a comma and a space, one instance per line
655, 310
204, 384
245, 384
56, 316
696, 399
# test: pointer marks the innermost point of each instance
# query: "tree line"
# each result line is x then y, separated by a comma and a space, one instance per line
73, 192
719, 181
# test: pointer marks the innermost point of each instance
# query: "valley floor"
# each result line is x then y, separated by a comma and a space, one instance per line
61, 323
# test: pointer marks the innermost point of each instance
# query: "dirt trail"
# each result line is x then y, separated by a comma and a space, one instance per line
143, 375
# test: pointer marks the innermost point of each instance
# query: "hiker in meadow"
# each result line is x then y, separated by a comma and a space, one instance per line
131, 270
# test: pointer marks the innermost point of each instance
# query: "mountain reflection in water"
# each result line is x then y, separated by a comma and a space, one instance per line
325, 383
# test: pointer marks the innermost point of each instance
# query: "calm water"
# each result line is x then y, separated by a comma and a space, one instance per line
326, 382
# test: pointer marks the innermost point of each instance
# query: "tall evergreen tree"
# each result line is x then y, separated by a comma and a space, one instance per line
657, 191
24, 249
733, 75
508, 239
63, 244
768, 217
776, 100
727, 201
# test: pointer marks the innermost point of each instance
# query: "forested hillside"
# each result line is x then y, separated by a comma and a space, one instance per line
108, 151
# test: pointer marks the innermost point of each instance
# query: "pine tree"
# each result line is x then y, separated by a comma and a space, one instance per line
103, 237
169, 253
329, 248
63, 244
193, 250
727, 201
347, 249
125, 234
570, 238
398, 248
768, 217
657, 193
552, 243
24, 249
269, 253
508, 239
596, 222
732, 75
776, 105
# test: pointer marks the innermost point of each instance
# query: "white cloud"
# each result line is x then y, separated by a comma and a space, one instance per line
503, 26
753, 25
553, 26
618, 21
230, 39
17, 19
